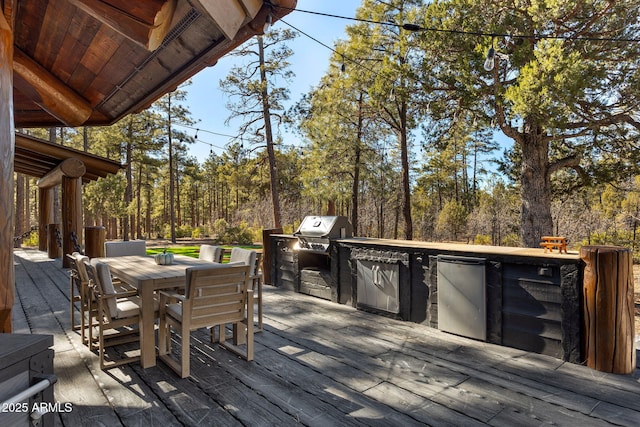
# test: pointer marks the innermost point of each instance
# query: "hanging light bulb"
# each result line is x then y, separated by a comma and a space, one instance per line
343, 67
267, 23
196, 137
490, 62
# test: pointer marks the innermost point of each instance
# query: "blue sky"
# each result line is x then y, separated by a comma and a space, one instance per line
309, 63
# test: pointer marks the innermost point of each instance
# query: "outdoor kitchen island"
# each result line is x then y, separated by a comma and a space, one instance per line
517, 297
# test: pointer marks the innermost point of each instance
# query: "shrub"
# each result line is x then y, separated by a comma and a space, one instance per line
220, 227
511, 239
482, 239
31, 240
240, 235
197, 233
184, 231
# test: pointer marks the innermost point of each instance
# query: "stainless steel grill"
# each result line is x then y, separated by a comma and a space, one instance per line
315, 236
316, 232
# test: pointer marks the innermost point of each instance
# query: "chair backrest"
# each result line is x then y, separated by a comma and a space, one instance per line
100, 275
78, 273
216, 295
124, 248
80, 260
211, 253
246, 256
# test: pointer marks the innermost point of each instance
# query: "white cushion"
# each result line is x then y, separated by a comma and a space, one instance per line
82, 271
104, 279
175, 311
127, 307
130, 306
246, 256
210, 253
124, 248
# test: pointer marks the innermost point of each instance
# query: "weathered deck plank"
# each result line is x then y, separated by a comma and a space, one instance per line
319, 363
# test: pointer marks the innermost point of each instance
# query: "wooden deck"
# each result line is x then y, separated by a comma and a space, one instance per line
319, 364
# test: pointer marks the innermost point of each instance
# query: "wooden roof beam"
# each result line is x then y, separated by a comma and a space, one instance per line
71, 168
94, 164
149, 36
231, 15
52, 95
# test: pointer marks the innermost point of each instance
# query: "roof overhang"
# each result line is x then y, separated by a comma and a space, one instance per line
91, 62
36, 157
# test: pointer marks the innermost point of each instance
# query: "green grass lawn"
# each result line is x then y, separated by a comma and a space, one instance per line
193, 251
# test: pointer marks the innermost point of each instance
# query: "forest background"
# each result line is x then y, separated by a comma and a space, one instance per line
399, 133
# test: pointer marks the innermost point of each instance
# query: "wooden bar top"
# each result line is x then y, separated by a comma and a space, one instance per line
457, 247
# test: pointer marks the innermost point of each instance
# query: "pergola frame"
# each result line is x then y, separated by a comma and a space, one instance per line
91, 62
57, 165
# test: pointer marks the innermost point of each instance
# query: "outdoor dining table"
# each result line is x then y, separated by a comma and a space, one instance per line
146, 276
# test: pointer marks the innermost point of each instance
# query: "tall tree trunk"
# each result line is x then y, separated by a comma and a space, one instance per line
128, 196
355, 189
406, 187
19, 216
536, 186
172, 210
139, 204
27, 202
273, 171
381, 209
85, 138
148, 209
178, 203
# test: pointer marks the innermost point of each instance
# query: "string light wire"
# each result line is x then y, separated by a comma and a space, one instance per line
416, 27
408, 27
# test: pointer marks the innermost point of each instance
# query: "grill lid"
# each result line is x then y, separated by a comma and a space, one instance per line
326, 227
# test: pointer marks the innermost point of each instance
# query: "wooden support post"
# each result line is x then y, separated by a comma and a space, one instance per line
45, 216
71, 216
53, 248
94, 241
7, 151
266, 253
68, 173
608, 309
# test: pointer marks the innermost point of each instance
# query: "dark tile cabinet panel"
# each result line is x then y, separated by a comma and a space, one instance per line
285, 265
531, 304
541, 309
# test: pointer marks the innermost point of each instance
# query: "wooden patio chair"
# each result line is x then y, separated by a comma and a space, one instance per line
80, 294
124, 248
211, 253
252, 259
118, 313
214, 296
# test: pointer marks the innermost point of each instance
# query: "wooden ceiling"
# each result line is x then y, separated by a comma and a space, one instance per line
91, 62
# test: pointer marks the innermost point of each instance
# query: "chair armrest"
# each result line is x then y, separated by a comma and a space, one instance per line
171, 295
119, 295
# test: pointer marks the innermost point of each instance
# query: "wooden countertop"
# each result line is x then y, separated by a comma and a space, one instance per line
457, 247
461, 247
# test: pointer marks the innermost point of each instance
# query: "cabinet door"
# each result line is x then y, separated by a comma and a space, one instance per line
378, 285
388, 283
